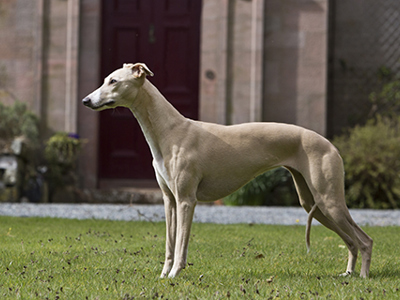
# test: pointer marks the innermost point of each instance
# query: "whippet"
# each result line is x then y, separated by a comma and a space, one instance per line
198, 161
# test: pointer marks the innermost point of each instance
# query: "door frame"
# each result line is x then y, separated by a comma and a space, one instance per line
104, 180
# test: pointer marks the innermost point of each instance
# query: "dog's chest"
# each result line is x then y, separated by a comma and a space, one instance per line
161, 170
169, 168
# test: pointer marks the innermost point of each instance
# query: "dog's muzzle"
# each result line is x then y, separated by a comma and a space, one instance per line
89, 103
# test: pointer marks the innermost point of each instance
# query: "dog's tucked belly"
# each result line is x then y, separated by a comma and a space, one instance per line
211, 191
212, 188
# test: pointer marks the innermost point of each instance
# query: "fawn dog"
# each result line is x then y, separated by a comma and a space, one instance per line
199, 161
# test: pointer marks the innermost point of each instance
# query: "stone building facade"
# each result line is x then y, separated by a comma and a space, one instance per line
260, 60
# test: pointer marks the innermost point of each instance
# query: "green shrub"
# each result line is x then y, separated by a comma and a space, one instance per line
371, 161
19, 134
62, 149
386, 103
17, 120
61, 153
273, 188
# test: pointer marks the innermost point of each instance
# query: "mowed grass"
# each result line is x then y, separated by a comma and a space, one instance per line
43, 258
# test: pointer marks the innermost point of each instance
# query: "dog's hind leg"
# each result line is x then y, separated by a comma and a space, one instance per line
350, 243
360, 240
326, 183
366, 250
307, 201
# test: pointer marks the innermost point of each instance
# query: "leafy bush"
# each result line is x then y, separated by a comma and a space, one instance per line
61, 154
273, 188
371, 161
386, 103
62, 149
19, 134
17, 120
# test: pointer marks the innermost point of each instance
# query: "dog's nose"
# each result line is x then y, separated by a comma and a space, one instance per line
86, 101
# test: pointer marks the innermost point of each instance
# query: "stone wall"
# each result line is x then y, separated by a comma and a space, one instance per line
54, 64
89, 80
365, 51
265, 61
37, 58
19, 46
261, 60
231, 61
295, 62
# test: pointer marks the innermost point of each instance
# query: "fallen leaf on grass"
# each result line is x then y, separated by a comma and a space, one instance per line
269, 280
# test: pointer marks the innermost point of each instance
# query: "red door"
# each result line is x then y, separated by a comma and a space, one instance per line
164, 34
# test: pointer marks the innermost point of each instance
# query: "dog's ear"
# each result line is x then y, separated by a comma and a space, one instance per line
139, 69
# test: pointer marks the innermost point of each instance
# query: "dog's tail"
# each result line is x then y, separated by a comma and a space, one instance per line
308, 227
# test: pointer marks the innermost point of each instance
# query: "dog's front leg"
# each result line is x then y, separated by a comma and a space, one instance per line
170, 218
185, 210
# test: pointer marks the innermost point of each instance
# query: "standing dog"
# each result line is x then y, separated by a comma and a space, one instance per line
204, 161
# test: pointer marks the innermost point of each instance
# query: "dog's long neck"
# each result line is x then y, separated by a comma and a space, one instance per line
156, 116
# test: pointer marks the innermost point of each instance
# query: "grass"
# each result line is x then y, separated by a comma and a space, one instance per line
43, 258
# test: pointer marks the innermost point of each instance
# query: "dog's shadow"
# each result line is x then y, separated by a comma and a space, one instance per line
378, 273
386, 271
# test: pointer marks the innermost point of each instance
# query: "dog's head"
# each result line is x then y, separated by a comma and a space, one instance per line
119, 86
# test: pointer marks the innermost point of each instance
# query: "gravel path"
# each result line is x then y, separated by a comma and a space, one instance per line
203, 213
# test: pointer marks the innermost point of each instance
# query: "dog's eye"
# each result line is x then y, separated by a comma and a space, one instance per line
112, 81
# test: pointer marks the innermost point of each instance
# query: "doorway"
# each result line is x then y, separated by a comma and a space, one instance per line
165, 35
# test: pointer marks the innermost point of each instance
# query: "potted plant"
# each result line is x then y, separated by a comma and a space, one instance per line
61, 154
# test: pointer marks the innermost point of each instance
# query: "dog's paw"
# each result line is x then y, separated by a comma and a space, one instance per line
347, 273
173, 274
166, 270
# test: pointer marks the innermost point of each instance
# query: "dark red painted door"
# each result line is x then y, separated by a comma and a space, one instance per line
164, 34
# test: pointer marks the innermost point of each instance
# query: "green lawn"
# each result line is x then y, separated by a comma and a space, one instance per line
43, 258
